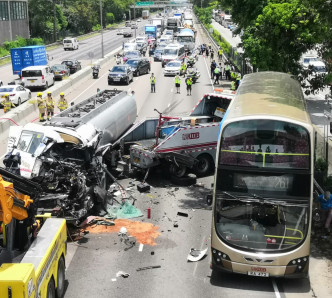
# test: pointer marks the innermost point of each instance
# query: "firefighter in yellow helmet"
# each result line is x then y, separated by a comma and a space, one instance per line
7, 104
49, 105
41, 106
62, 103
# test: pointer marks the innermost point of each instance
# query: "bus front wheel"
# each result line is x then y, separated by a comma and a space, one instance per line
60, 290
51, 289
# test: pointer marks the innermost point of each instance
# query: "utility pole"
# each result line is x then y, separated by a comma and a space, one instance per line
10, 23
54, 22
101, 30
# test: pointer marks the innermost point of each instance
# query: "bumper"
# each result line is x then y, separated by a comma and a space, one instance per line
171, 73
115, 80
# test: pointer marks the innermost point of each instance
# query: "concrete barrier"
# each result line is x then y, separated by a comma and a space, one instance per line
21, 112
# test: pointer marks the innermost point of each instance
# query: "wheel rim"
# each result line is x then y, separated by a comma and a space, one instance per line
177, 171
203, 165
138, 73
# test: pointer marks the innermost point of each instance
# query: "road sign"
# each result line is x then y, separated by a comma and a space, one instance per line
144, 3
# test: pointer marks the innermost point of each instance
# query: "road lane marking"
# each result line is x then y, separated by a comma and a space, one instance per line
141, 247
196, 264
275, 288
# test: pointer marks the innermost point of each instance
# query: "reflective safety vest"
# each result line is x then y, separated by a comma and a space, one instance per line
62, 104
233, 75
216, 70
233, 85
220, 52
50, 103
41, 104
227, 67
183, 66
189, 82
152, 80
177, 80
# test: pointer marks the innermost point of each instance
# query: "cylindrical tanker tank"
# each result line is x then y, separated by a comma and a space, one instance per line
110, 111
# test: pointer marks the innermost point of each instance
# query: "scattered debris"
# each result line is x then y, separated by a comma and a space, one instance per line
175, 224
126, 239
182, 214
196, 254
152, 253
149, 212
148, 267
143, 187
123, 274
113, 279
125, 210
98, 220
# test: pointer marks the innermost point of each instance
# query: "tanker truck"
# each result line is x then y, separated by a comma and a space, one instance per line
65, 155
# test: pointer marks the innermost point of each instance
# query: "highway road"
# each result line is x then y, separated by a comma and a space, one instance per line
93, 262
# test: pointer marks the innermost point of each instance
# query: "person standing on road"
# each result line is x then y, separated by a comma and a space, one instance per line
41, 106
216, 74
49, 105
207, 52
212, 54
212, 68
62, 103
220, 52
153, 83
228, 72
220, 71
7, 104
189, 83
326, 204
183, 68
177, 83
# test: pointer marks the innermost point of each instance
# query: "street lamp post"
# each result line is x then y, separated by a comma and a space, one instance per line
101, 30
54, 22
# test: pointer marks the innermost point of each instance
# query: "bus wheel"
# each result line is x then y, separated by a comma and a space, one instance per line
51, 289
177, 171
60, 290
204, 166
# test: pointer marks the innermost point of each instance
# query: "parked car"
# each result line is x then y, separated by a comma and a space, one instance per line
127, 33
131, 55
139, 20
60, 71
73, 65
139, 66
120, 74
17, 93
172, 68
133, 26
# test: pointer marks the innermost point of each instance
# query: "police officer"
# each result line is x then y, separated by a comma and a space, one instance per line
49, 105
153, 83
216, 74
62, 103
228, 72
7, 104
177, 83
183, 68
41, 106
220, 52
189, 83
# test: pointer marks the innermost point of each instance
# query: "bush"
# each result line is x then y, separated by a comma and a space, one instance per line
96, 27
18, 43
110, 18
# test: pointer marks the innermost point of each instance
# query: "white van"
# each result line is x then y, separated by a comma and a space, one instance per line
173, 51
129, 46
37, 76
70, 44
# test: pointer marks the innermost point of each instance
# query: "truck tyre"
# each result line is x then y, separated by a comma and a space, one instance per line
60, 290
177, 171
183, 181
50, 289
204, 165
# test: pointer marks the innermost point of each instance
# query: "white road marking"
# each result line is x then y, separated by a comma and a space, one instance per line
275, 288
140, 247
169, 105
71, 250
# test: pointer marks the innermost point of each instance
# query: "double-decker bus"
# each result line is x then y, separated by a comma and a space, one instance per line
263, 183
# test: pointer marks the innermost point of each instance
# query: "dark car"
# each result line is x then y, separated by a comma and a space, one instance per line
72, 64
139, 66
120, 74
60, 71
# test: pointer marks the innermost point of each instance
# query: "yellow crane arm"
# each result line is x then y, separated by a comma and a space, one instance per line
12, 203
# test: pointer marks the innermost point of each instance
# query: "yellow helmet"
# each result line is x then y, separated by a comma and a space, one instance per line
62, 94
7, 95
49, 92
40, 94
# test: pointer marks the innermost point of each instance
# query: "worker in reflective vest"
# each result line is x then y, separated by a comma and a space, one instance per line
7, 104
62, 103
177, 83
41, 106
153, 83
189, 83
228, 72
183, 69
49, 105
220, 52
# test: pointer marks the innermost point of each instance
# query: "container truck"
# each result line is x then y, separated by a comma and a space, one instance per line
187, 38
145, 14
27, 56
150, 30
159, 22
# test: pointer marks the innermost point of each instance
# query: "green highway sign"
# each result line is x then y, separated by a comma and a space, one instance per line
144, 3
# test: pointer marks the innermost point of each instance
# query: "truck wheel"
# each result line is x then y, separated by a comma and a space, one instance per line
204, 165
183, 181
60, 290
177, 171
51, 289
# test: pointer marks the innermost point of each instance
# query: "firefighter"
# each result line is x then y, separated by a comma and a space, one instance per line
41, 106
183, 69
62, 103
7, 104
177, 83
153, 83
189, 83
49, 105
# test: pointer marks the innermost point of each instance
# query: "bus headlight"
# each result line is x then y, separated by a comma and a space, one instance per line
297, 265
219, 257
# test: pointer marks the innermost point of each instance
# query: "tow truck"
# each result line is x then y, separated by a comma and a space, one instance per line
32, 248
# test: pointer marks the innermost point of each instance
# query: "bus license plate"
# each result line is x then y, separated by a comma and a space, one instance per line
257, 273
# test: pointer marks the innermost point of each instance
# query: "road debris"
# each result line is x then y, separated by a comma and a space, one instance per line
182, 214
148, 267
126, 239
124, 211
143, 187
98, 220
123, 274
196, 254
175, 224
